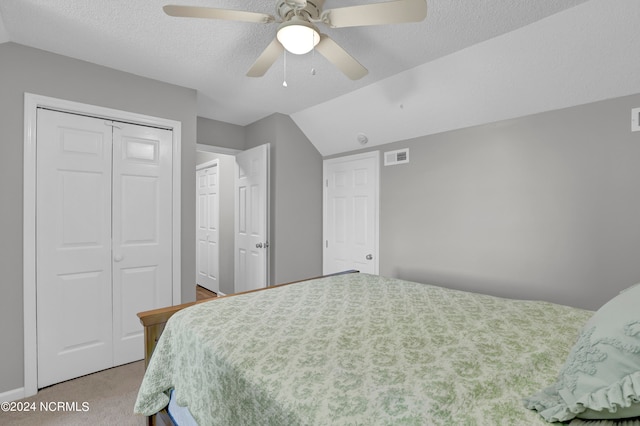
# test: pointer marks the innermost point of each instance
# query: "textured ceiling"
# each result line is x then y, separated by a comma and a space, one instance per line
581, 55
213, 56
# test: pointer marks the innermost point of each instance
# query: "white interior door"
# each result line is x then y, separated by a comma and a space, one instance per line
252, 219
207, 227
142, 234
103, 240
351, 213
74, 304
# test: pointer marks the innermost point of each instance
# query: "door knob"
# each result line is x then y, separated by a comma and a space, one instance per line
369, 257
118, 258
259, 245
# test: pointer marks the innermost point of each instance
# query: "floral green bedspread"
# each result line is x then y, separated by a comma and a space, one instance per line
360, 349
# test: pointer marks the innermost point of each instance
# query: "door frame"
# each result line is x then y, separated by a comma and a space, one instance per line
216, 149
373, 155
31, 104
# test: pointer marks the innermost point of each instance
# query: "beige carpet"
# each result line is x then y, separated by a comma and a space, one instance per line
109, 396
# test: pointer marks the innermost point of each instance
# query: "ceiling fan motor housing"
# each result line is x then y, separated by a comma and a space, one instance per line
307, 9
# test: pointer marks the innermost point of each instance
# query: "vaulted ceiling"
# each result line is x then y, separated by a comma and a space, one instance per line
469, 62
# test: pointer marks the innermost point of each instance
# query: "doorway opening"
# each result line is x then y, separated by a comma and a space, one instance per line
215, 270
233, 253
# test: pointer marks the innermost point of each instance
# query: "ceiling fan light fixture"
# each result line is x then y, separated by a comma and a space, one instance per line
298, 36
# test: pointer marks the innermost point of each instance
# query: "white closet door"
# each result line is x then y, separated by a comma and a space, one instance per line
207, 234
104, 240
142, 202
73, 246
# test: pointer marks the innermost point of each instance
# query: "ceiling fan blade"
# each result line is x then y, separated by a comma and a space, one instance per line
211, 13
266, 59
340, 58
392, 12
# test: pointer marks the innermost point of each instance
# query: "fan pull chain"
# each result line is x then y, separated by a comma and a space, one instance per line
284, 79
313, 54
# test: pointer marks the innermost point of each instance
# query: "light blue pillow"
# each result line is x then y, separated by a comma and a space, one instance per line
601, 376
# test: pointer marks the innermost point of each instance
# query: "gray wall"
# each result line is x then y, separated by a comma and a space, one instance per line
226, 164
296, 198
541, 207
218, 133
24, 69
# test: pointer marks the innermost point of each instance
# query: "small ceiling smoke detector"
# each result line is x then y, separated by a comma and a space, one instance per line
362, 138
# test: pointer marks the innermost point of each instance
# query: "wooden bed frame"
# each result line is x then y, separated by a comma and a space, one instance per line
155, 320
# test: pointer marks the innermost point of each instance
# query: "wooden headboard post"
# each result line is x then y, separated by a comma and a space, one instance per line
154, 322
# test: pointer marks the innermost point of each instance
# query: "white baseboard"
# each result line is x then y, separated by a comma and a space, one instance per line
220, 293
12, 395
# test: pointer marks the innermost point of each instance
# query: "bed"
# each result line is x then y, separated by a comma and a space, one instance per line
358, 349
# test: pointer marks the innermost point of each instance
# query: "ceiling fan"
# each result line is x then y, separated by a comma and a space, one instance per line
298, 34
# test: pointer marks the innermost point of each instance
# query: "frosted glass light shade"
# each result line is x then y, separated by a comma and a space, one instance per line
298, 36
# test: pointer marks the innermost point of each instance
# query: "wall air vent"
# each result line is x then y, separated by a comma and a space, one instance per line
400, 156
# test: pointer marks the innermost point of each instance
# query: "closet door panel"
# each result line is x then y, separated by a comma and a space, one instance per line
142, 244
73, 238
